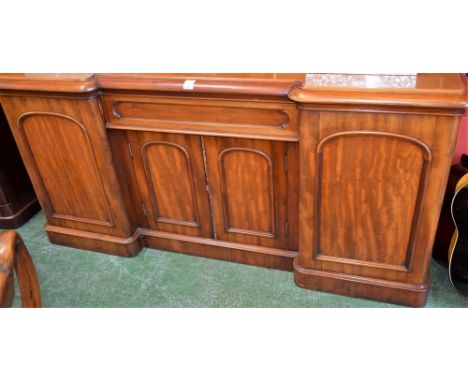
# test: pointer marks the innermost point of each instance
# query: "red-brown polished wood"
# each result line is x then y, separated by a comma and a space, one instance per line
15, 259
342, 174
262, 118
172, 183
372, 183
64, 145
248, 190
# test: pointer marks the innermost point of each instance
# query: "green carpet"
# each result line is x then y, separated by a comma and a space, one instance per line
76, 278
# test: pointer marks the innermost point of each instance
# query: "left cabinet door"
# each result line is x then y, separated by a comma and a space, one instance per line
171, 177
64, 145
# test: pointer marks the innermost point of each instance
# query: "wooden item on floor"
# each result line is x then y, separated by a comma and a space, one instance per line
15, 259
18, 201
339, 178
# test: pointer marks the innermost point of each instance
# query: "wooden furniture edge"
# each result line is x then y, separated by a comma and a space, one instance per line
292, 137
43, 84
239, 86
104, 82
414, 295
306, 97
126, 247
220, 250
21, 216
203, 247
294, 90
15, 257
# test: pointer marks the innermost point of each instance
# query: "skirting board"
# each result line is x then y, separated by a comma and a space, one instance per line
215, 249
414, 295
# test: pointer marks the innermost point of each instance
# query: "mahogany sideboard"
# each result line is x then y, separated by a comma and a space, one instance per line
339, 178
18, 201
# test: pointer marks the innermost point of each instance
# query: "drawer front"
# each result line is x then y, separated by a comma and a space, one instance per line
239, 118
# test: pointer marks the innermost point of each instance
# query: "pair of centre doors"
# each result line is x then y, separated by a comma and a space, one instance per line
229, 189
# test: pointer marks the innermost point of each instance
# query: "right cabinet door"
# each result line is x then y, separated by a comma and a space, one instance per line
371, 188
248, 190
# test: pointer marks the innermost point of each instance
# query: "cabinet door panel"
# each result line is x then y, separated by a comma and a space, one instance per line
170, 173
64, 146
69, 162
247, 180
370, 187
363, 217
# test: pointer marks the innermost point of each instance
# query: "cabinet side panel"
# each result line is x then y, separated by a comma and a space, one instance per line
293, 195
309, 123
122, 156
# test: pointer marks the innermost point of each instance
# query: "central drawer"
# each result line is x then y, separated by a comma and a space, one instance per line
257, 119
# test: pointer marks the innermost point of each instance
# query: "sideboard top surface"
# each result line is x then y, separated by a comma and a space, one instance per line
49, 82
274, 84
431, 90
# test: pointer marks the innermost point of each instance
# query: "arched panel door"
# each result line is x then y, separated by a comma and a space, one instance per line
172, 183
65, 161
247, 181
64, 146
369, 191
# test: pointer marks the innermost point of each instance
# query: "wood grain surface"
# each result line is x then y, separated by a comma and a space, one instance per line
344, 175
16, 260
